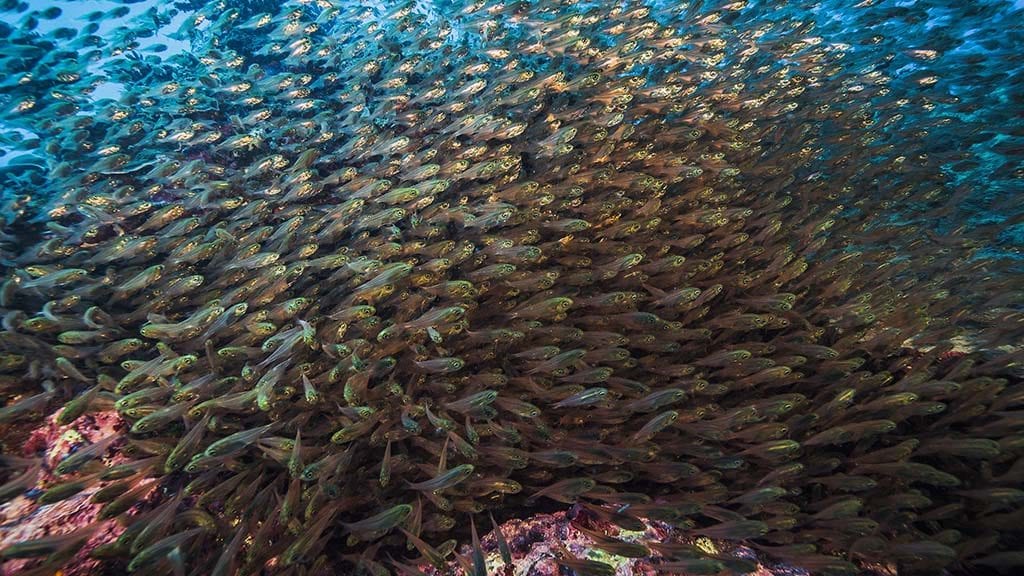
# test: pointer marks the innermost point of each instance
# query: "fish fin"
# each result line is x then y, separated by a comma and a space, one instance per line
479, 563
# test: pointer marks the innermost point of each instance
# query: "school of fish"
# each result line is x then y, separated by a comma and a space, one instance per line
358, 277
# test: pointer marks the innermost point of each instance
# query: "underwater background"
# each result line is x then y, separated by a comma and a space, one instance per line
324, 287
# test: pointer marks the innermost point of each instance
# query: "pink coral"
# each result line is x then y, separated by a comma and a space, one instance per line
536, 541
24, 519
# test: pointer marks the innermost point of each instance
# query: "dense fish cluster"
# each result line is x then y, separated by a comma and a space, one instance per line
358, 277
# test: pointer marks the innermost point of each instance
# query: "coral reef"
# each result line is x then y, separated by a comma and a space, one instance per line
536, 543
22, 519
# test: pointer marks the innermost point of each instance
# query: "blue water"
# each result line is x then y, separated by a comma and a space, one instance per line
983, 71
